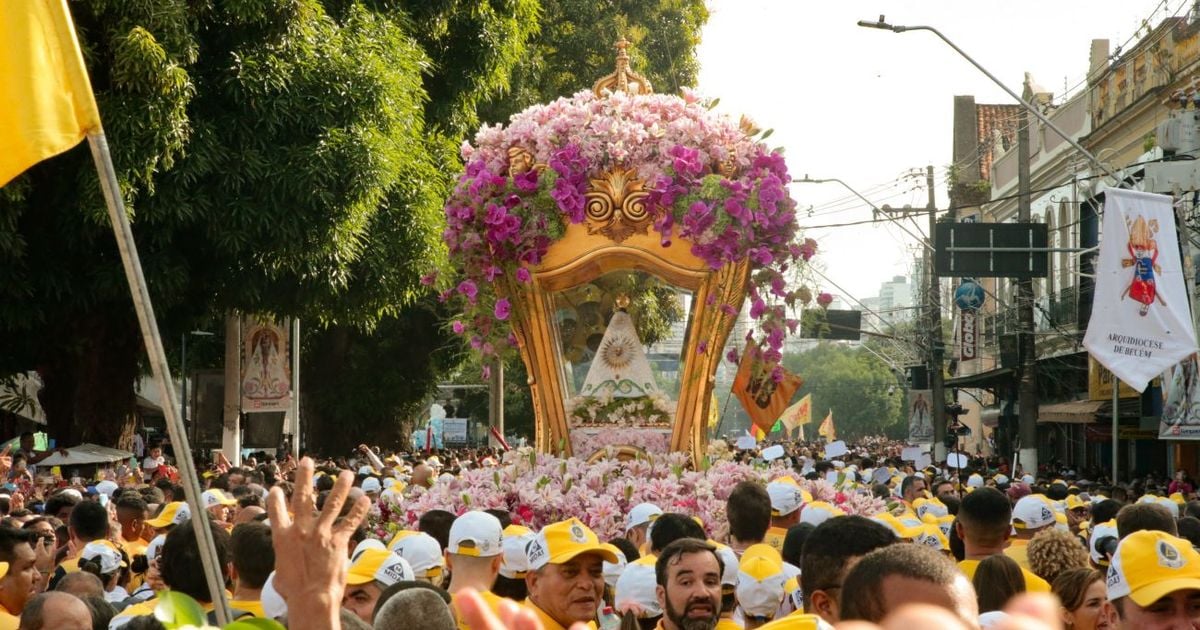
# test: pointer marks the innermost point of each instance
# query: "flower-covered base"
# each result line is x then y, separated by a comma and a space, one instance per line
588, 440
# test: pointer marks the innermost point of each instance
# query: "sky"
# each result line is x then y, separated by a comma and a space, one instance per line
870, 106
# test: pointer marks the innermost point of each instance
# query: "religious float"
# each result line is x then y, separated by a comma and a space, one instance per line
569, 216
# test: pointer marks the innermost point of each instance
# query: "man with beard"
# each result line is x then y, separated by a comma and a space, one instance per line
688, 572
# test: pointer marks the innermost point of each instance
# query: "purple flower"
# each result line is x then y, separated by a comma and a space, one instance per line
476, 342
512, 340
503, 307
732, 355
777, 374
687, 161
729, 310
757, 308
527, 181
429, 278
458, 327
486, 372
523, 275
702, 348
491, 273
468, 288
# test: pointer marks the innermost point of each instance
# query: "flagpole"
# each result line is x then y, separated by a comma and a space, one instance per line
161, 370
1116, 387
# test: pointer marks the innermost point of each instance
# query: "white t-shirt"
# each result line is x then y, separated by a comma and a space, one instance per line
150, 463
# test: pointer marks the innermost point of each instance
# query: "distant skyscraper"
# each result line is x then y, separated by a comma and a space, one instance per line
895, 300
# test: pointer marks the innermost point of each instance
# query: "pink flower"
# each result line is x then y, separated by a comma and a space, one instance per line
458, 327
429, 278
468, 288
523, 275
503, 307
824, 299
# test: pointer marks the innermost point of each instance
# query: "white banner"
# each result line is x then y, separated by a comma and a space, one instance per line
1140, 323
920, 416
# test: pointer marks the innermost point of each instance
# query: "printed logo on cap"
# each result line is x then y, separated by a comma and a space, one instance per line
536, 552
577, 534
1169, 556
1047, 515
394, 572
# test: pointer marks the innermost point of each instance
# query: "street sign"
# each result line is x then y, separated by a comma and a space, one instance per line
821, 323
991, 250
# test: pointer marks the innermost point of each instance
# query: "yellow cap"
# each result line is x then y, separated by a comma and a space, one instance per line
562, 541
931, 536
1149, 565
761, 581
898, 527
172, 514
797, 621
1177, 497
378, 565
1073, 502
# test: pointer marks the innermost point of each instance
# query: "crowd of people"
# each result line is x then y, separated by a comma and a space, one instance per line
984, 546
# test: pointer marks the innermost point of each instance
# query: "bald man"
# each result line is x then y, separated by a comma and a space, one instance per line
56, 611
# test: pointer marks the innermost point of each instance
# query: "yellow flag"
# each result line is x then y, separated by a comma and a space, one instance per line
46, 103
798, 414
826, 429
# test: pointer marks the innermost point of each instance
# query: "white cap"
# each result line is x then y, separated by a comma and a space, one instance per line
422, 552
785, 497
379, 565
975, 481
641, 514
366, 470
367, 543
613, 570
639, 585
110, 558
730, 576
760, 587
1000, 479
273, 605
1027, 478
1100, 531
154, 546
818, 512
1032, 512
72, 492
477, 534
214, 497
388, 482
107, 487
371, 484
516, 563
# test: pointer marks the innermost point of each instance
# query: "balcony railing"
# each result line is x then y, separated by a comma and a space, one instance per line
1059, 313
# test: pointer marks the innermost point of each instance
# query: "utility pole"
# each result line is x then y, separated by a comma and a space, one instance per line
1027, 408
935, 330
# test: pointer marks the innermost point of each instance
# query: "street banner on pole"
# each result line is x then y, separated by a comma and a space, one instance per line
920, 416
799, 414
266, 374
1141, 324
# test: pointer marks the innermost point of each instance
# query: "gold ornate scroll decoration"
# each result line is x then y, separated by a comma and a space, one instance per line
624, 79
616, 205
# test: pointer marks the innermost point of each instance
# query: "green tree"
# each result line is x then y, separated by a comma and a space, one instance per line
285, 157
861, 390
574, 48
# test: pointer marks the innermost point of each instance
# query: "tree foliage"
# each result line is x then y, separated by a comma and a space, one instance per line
574, 48
280, 156
861, 390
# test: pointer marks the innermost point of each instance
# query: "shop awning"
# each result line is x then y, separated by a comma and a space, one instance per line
1075, 411
983, 380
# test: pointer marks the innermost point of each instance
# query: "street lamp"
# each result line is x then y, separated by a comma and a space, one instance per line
895, 28
808, 180
183, 372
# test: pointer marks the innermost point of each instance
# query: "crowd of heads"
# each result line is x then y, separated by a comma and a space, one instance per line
966, 542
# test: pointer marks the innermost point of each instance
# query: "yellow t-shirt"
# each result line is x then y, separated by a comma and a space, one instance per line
1018, 550
7, 620
252, 606
493, 601
1033, 583
548, 622
725, 623
796, 621
775, 537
